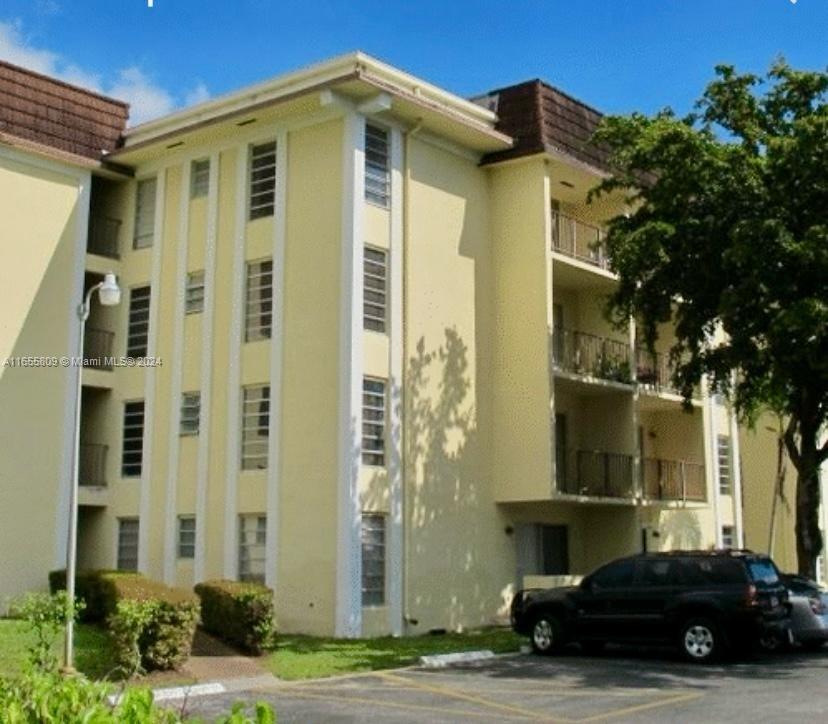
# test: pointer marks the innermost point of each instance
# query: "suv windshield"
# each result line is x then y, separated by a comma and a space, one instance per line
762, 570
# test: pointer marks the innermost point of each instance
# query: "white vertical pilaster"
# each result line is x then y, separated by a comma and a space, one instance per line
232, 460
711, 459
736, 473
274, 443
145, 505
205, 426
176, 365
349, 561
396, 364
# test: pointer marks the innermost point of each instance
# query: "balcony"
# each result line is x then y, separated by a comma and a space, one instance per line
579, 240
594, 473
103, 236
674, 480
589, 355
97, 348
655, 370
92, 465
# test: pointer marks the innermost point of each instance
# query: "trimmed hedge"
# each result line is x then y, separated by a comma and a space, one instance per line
151, 624
238, 612
93, 587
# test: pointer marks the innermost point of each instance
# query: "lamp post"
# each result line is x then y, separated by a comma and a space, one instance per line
109, 294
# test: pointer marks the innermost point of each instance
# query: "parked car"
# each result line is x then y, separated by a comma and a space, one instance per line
809, 615
703, 602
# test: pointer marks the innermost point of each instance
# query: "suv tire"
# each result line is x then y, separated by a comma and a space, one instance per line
700, 640
546, 634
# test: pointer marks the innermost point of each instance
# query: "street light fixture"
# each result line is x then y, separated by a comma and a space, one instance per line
109, 295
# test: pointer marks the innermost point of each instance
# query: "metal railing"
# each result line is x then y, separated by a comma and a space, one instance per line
97, 348
596, 474
579, 240
590, 355
103, 236
673, 480
92, 465
655, 369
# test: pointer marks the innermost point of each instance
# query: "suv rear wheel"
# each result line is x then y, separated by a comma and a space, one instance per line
546, 634
700, 640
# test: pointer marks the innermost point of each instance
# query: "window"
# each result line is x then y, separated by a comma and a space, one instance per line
615, 575
190, 413
255, 427
132, 452
377, 176
144, 214
252, 539
716, 571
258, 314
186, 536
127, 544
262, 180
138, 327
727, 536
723, 453
199, 178
660, 572
375, 276
373, 421
194, 295
373, 559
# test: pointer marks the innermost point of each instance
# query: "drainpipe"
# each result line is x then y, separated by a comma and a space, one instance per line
736, 468
406, 215
712, 459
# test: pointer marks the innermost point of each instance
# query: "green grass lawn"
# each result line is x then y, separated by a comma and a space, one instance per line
93, 652
306, 657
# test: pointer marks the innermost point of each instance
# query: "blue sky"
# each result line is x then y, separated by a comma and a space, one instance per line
617, 55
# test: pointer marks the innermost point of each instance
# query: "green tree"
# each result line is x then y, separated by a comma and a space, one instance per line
728, 230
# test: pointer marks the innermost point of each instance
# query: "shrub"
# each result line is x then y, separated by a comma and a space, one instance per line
239, 613
152, 625
90, 586
47, 698
45, 617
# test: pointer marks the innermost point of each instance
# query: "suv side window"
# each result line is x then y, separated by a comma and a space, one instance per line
664, 572
713, 571
615, 575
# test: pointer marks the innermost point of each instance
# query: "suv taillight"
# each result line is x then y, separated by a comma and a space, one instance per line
751, 596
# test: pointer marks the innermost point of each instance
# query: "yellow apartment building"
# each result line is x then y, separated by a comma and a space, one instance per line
360, 356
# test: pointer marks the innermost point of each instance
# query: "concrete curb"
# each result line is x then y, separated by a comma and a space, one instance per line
441, 661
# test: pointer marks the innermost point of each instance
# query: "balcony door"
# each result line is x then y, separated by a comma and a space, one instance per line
558, 333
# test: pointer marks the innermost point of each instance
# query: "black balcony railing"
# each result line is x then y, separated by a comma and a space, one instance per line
97, 348
103, 236
92, 465
590, 355
655, 369
579, 240
673, 480
595, 474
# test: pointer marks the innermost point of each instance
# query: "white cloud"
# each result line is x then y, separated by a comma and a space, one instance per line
147, 99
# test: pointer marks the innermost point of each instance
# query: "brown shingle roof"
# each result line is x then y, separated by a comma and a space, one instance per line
51, 113
542, 118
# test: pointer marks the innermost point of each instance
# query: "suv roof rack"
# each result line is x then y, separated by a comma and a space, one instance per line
711, 552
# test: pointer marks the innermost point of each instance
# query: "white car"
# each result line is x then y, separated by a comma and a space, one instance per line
809, 611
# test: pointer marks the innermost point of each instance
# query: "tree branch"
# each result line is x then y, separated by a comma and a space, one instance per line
790, 442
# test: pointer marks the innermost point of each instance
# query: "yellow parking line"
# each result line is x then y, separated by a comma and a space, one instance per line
615, 713
294, 694
488, 704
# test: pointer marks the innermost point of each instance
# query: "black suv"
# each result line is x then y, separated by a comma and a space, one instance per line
704, 602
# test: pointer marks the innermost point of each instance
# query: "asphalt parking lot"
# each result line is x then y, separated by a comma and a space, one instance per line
618, 686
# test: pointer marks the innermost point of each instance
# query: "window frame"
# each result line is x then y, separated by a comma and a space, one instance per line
120, 545
141, 237
377, 171
185, 550
368, 319
256, 208
132, 473
138, 342
724, 464
199, 178
375, 457
260, 540
263, 288
248, 461
374, 596
194, 292
190, 425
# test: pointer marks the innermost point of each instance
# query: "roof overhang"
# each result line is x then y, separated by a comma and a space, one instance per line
355, 77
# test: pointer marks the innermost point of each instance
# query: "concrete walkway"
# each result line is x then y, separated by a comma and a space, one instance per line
212, 660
